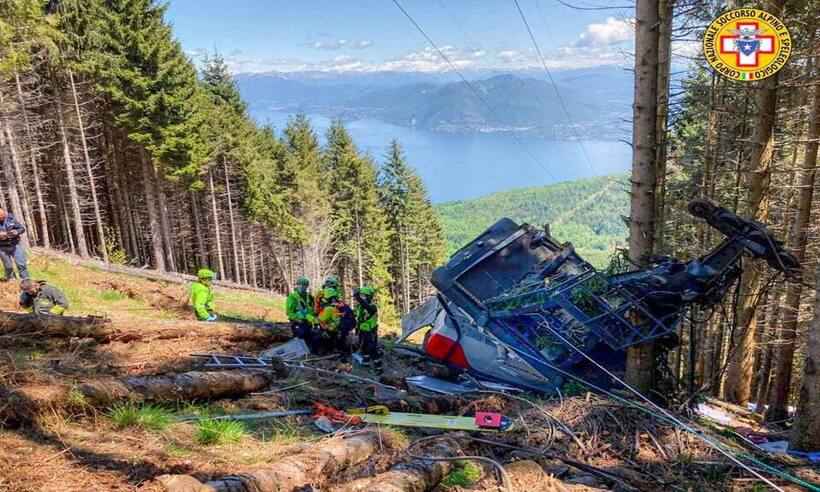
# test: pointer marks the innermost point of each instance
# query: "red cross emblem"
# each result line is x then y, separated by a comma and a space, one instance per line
747, 44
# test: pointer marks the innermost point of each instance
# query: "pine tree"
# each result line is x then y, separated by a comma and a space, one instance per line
416, 237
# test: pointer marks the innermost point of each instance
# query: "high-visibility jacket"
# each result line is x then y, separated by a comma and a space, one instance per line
367, 316
202, 300
49, 300
299, 307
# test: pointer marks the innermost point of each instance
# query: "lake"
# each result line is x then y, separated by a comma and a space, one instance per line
455, 167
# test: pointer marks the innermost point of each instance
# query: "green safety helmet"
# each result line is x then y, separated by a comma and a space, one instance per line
332, 281
367, 291
205, 274
302, 281
329, 293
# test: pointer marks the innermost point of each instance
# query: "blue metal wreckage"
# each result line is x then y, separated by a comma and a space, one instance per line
515, 306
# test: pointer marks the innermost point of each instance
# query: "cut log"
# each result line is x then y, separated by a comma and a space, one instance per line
293, 472
194, 385
57, 326
530, 476
262, 333
412, 476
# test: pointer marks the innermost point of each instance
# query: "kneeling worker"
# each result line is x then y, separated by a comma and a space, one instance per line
299, 308
202, 295
42, 298
367, 323
335, 322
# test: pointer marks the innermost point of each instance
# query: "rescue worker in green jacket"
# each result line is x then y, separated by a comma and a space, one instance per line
202, 295
331, 282
367, 324
42, 298
300, 310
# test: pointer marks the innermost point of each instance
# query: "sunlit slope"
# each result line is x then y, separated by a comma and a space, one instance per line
587, 212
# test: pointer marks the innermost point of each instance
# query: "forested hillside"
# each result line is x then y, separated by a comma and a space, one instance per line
587, 212
114, 145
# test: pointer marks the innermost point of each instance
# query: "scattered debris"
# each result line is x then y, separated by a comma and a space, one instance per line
295, 349
247, 416
422, 384
481, 422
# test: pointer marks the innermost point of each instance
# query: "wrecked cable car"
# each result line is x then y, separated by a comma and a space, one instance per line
517, 307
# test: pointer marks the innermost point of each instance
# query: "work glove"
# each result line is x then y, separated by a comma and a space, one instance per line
211, 318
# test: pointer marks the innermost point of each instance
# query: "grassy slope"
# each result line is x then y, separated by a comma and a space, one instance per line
125, 298
589, 210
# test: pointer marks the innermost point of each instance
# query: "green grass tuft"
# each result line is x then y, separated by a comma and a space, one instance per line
149, 417
219, 432
111, 295
466, 474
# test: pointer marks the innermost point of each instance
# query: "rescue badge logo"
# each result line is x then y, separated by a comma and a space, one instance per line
747, 44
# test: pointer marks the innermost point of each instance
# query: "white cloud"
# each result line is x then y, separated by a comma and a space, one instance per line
612, 31
337, 44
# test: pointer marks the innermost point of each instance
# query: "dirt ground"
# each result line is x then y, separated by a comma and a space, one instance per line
51, 439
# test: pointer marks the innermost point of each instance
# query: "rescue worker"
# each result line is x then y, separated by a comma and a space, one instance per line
336, 322
11, 253
331, 282
202, 295
330, 319
41, 298
367, 324
299, 307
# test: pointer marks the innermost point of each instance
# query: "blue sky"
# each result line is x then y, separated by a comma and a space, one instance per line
373, 35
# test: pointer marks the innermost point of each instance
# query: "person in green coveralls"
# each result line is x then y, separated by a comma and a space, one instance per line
202, 295
300, 311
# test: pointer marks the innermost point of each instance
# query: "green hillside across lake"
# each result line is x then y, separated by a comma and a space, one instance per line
586, 212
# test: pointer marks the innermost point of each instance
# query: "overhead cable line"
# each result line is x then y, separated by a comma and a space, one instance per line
580, 7
472, 88
611, 182
554, 85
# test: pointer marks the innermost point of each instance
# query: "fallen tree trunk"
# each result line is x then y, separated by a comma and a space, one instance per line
292, 472
263, 333
58, 326
416, 475
194, 385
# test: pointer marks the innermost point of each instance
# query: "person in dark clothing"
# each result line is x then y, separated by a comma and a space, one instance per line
41, 298
11, 252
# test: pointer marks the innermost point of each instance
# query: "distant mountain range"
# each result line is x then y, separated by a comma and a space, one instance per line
596, 99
